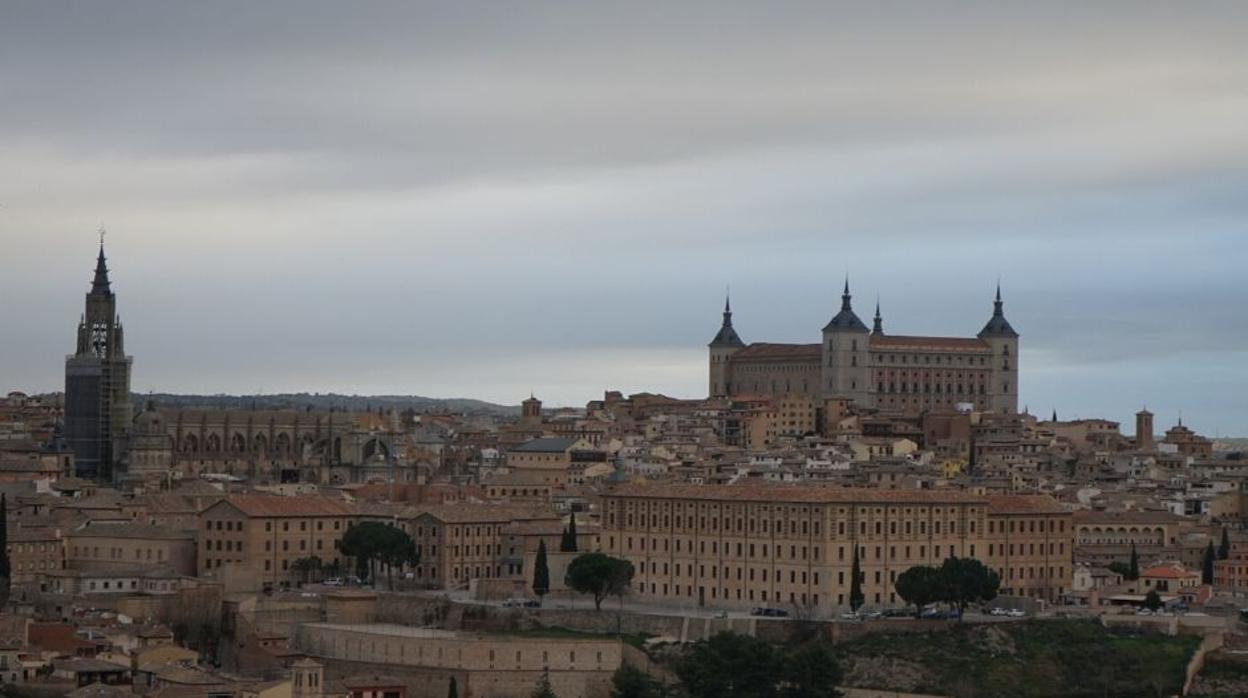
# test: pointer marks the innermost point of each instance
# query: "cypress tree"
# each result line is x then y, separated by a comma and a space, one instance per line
1224, 548
541, 572
1206, 569
1133, 569
453, 691
855, 584
567, 544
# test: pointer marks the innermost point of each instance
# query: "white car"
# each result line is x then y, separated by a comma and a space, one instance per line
1016, 613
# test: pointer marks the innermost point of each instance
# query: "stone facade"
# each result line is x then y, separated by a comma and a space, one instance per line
760, 545
874, 369
498, 666
264, 535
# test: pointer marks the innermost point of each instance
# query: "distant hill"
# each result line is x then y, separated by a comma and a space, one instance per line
324, 401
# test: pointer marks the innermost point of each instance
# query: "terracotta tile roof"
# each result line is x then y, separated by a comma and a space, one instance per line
1024, 504
131, 530
793, 493
484, 513
1093, 518
266, 505
890, 341
1168, 572
761, 351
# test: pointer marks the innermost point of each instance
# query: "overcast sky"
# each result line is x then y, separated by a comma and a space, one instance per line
480, 200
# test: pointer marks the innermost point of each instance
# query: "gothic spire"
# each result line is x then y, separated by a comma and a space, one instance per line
99, 285
878, 326
727, 336
997, 325
846, 319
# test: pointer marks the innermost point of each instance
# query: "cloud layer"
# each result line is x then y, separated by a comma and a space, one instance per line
481, 200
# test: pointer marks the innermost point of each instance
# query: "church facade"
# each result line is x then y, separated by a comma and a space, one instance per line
873, 369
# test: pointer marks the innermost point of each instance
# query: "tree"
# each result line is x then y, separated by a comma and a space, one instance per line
568, 543
920, 585
729, 666
966, 580
1224, 548
630, 682
1152, 600
856, 597
453, 690
372, 542
810, 671
1120, 568
5, 567
600, 575
541, 573
1133, 567
1206, 568
543, 688
306, 568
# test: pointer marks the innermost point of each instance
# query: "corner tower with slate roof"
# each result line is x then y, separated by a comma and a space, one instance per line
874, 369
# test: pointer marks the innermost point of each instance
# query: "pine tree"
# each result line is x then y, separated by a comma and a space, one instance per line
541, 572
543, 688
856, 597
453, 691
1206, 568
1224, 548
1133, 569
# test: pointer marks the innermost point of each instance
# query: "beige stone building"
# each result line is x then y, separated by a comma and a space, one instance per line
462, 542
760, 545
265, 534
1030, 545
874, 369
35, 551
498, 666
116, 546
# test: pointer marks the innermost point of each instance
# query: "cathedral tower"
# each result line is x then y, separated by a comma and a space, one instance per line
722, 347
1003, 340
845, 369
97, 383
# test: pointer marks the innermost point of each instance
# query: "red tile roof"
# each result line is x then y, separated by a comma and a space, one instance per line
889, 341
761, 351
815, 494
1024, 504
272, 505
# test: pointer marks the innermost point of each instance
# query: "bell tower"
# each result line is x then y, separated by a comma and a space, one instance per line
97, 383
1003, 340
725, 343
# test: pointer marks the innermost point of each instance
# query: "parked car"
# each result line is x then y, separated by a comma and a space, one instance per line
850, 616
332, 582
521, 603
770, 612
1016, 613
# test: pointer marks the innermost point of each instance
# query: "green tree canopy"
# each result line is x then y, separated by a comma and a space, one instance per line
372, 542
729, 665
920, 585
541, 572
543, 688
1133, 567
1152, 600
630, 682
600, 575
856, 597
567, 544
966, 580
810, 670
